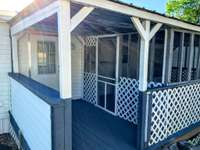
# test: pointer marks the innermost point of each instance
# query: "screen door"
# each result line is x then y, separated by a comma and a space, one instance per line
106, 73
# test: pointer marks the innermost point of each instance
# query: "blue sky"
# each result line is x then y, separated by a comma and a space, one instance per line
157, 5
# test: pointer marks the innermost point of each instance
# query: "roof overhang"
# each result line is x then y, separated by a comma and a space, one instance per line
139, 12
49, 7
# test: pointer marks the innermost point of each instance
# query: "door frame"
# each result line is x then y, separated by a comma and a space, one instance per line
116, 72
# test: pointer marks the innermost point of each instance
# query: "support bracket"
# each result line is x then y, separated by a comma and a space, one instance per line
80, 16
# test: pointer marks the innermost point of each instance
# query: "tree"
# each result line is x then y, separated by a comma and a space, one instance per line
187, 10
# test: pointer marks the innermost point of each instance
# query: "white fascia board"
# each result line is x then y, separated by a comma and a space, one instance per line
35, 17
127, 10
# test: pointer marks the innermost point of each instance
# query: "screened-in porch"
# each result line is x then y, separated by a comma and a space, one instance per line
110, 80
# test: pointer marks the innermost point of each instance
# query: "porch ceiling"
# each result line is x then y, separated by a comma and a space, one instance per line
99, 22
114, 6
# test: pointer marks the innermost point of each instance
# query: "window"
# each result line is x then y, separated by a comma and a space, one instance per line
46, 57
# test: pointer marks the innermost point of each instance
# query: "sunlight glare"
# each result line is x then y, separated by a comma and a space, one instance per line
14, 5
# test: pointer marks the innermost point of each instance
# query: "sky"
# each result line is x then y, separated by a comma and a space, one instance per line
14, 5
157, 5
17, 5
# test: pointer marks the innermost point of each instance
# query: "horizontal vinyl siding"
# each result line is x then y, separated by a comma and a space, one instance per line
51, 80
5, 67
77, 68
32, 115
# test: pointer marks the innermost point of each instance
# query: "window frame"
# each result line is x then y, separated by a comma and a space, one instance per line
48, 63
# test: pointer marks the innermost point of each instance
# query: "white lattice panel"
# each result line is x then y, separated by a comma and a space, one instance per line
128, 98
90, 87
127, 101
195, 140
173, 110
90, 41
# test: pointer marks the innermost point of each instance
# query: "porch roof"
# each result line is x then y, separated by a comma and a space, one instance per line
123, 8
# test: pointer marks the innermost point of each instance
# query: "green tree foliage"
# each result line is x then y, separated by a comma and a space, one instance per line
187, 10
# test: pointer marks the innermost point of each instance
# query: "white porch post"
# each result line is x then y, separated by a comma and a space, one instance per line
15, 55
65, 66
144, 56
191, 57
146, 34
64, 41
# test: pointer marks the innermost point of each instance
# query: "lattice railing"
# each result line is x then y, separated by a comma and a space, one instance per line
128, 98
90, 87
127, 95
195, 140
173, 109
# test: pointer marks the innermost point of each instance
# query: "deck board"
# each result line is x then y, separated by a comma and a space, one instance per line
95, 129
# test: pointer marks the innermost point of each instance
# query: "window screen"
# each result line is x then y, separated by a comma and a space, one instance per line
46, 57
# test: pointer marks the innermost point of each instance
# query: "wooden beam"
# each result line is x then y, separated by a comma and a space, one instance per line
131, 11
155, 30
139, 26
35, 18
80, 16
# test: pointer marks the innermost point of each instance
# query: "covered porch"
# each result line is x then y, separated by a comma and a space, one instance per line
103, 75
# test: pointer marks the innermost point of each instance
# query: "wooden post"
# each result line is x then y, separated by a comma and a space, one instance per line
146, 34
198, 61
15, 54
170, 56
165, 56
181, 55
151, 59
143, 71
191, 56
64, 42
65, 69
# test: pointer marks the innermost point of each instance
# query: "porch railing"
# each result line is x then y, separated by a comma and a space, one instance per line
170, 110
127, 96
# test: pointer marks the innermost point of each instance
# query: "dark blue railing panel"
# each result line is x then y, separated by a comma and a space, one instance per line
46, 93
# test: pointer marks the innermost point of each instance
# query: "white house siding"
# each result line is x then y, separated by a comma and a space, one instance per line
52, 80
32, 115
77, 67
23, 55
5, 67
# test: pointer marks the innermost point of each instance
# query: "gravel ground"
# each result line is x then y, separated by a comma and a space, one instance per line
7, 142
